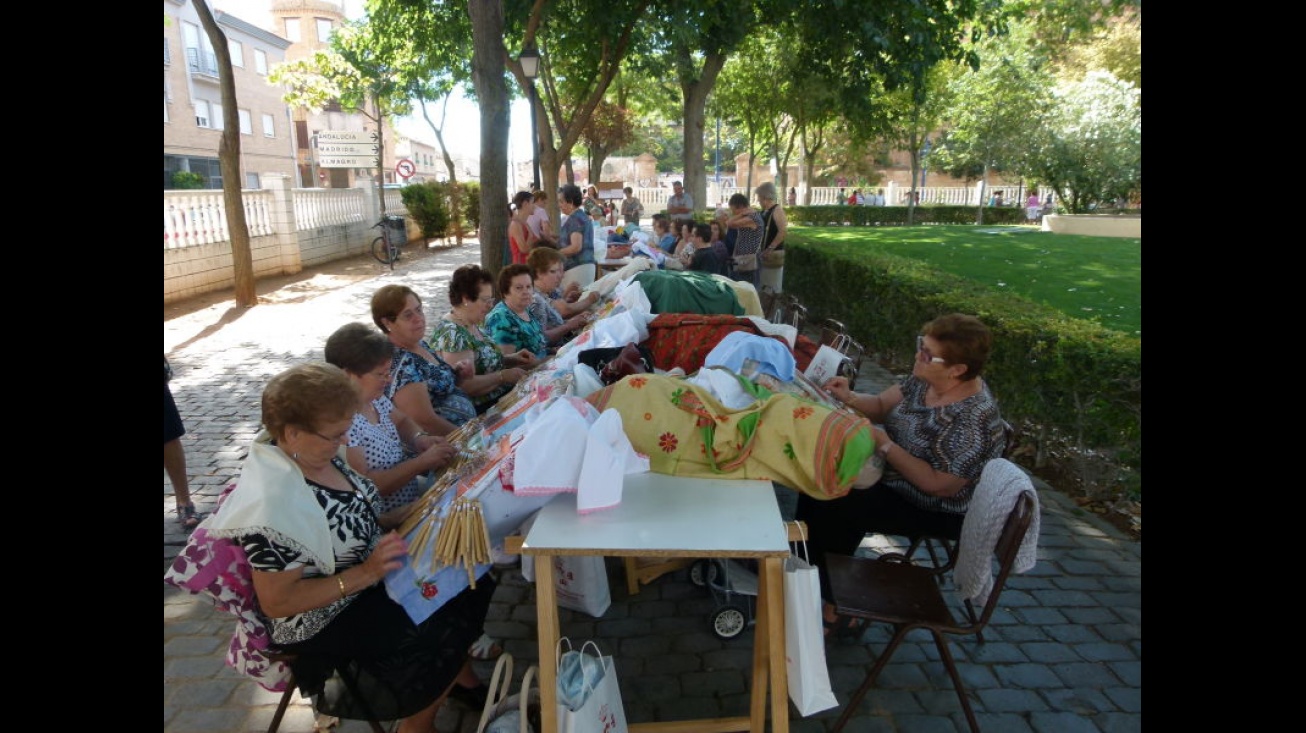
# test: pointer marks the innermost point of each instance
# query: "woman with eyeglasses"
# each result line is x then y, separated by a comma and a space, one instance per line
935, 431
318, 550
459, 336
383, 443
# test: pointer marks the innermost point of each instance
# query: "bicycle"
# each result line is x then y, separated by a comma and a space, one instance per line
383, 249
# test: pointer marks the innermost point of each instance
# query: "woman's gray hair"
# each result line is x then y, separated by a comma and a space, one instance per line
767, 191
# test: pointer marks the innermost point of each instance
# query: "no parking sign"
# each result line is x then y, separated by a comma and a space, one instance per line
405, 168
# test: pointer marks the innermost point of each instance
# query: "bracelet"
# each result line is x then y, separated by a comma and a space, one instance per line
884, 451
340, 581
419, 434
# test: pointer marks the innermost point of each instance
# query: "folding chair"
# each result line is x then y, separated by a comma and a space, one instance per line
908, 597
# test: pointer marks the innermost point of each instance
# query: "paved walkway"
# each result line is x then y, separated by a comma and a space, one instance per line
1062, 654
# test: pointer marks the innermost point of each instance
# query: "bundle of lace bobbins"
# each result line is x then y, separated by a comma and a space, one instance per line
463, 538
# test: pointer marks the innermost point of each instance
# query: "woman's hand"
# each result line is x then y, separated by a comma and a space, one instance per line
386, 556
438, 453
512, 375
521, 357
572, 293
839, 389
463, 369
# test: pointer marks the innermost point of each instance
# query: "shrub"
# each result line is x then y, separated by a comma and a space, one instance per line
187, 179
428, 204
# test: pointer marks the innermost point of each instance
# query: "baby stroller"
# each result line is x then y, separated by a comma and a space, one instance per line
734, 586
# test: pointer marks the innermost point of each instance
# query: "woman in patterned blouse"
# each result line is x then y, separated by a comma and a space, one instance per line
935, 432
510, 323
458, 337
309, 525
385, 445
426, 387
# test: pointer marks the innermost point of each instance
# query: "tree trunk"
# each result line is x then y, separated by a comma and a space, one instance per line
242, 261
455, 191
492, 92
695, 93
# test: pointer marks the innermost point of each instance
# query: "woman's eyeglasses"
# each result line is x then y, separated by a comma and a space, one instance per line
339, 438
922, 351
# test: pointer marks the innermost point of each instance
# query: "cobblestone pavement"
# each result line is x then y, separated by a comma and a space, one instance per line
1063, 652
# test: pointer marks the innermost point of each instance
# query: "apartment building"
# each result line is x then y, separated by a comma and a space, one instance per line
192, 99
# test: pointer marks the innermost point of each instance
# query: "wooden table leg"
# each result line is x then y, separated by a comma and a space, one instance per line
771, 591
761, 657
546, 615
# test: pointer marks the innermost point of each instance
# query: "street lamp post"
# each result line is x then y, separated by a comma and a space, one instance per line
530, 68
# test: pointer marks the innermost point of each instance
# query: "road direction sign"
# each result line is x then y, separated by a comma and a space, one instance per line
346, 136
346, 161
347, 148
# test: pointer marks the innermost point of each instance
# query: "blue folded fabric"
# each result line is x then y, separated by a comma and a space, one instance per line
772, 356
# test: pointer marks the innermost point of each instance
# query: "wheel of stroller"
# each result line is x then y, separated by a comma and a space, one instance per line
729, 621
702, 572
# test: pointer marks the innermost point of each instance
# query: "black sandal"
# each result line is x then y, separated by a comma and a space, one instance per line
187, 517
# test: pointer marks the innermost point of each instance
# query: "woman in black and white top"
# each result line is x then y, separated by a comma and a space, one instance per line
318, 548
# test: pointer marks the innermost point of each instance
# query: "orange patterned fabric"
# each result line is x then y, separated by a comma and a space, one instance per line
685, 339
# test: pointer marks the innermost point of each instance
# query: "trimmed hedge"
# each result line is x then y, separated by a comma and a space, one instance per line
822, 216
1048, 369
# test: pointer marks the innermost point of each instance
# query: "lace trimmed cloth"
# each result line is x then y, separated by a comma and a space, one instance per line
1000, 484
216, 567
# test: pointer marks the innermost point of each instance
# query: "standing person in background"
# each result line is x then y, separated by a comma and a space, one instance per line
577, 241
1033, 209
631, 208
520, 239
593, 207
843, 197
879, 197
793, 196
747, 223
775, 227
538, 222
680, 206
174, 455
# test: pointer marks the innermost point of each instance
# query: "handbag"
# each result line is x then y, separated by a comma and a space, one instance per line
773, 258
504, 713
745, 263
589, 699
809, 677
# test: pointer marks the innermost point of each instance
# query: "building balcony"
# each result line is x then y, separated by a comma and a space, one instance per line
203, 65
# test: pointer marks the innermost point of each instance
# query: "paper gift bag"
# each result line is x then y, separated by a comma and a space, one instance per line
589, 699
809, 677
824, 365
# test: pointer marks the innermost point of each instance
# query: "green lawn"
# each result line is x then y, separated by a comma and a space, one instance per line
1097, 278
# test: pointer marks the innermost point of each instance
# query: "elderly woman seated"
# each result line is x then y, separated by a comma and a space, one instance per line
306, 521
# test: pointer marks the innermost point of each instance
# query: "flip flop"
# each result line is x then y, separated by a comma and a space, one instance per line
485, 649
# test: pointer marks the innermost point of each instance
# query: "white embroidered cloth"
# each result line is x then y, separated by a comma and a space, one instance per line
549, 458
1000, 484
609, 456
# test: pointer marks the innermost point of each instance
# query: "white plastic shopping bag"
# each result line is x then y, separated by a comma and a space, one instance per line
589, 699
809, 677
